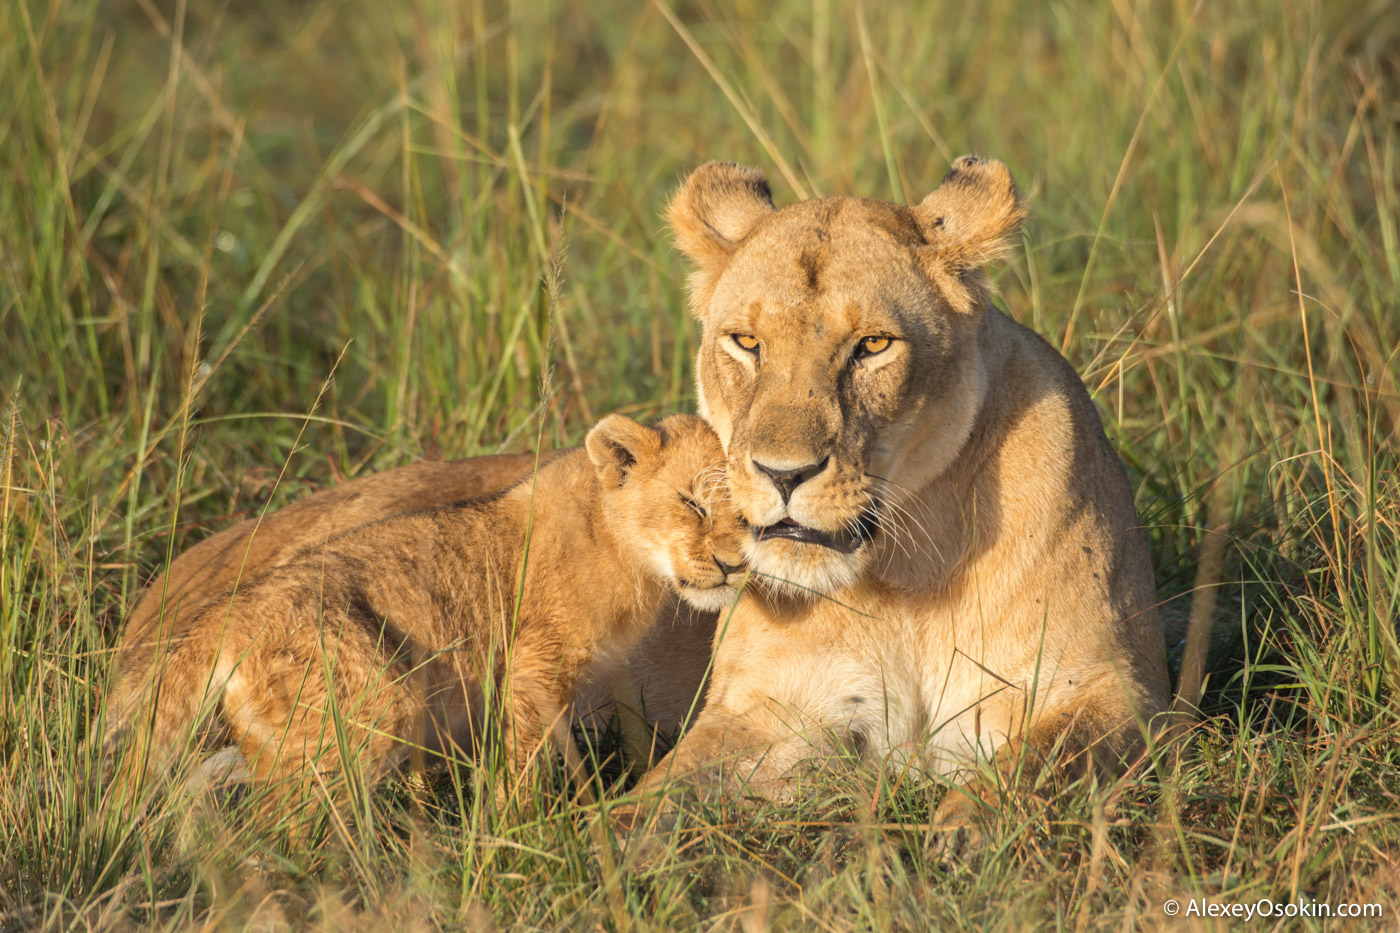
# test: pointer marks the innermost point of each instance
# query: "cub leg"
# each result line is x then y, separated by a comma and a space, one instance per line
155, 716
304, 707
536, 714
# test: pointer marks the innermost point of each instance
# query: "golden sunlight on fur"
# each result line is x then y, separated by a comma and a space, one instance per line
410, 629
951, 567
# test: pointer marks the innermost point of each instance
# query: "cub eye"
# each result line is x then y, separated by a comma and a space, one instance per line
746, 342
694, 506
869, 346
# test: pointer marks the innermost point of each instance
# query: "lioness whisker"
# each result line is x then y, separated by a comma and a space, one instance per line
909, 520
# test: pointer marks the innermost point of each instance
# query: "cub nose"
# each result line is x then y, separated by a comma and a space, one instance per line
785, 481
727, 569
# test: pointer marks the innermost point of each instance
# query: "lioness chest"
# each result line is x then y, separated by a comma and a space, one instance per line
926, 684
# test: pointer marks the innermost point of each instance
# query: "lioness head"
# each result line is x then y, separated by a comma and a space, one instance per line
839, 360
664, 492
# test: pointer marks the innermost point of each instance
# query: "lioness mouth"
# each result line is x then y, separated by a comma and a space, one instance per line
846, 541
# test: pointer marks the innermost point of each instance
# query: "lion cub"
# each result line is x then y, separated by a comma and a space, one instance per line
419, 632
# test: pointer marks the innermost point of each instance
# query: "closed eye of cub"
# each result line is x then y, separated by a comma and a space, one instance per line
694, 506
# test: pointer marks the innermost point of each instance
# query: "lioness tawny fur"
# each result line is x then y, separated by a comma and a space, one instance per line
953, 572
415, 630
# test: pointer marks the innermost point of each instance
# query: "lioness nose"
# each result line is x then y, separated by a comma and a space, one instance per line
727, 569
785, 481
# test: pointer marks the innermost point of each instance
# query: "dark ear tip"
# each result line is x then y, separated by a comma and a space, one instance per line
970, 169
959, 165
730, 175
716, 207
614, 444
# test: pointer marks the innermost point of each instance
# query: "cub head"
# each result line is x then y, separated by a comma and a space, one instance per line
839, 359
665, 495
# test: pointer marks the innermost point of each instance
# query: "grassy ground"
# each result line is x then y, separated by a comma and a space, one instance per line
242, 237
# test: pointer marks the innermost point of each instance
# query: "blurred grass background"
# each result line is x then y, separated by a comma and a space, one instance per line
243, 236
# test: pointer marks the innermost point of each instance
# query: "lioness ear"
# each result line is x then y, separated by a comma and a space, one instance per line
617, 444
970, 219
715, 208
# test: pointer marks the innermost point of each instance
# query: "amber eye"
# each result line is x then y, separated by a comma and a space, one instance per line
746, 342
869, 346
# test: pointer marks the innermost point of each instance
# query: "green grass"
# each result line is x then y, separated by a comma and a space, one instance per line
334, 238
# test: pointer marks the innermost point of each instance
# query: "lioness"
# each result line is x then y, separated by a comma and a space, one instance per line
953, 563
414, 628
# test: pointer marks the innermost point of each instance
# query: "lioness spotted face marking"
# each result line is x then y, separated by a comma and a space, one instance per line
940, 525
403, 625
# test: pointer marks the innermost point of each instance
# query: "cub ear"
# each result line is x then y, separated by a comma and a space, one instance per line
617, 444
971, 218
715, 209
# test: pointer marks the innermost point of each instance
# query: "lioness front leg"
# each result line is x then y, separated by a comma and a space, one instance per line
723, 757
1058, 749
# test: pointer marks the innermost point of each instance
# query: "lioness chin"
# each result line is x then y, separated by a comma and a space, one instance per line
417, 632
952, 568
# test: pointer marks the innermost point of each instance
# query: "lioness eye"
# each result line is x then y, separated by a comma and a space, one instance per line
694, 506
871, 345
746, 341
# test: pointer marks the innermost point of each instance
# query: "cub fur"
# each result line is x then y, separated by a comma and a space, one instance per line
652, 691
245, 551
420, 632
